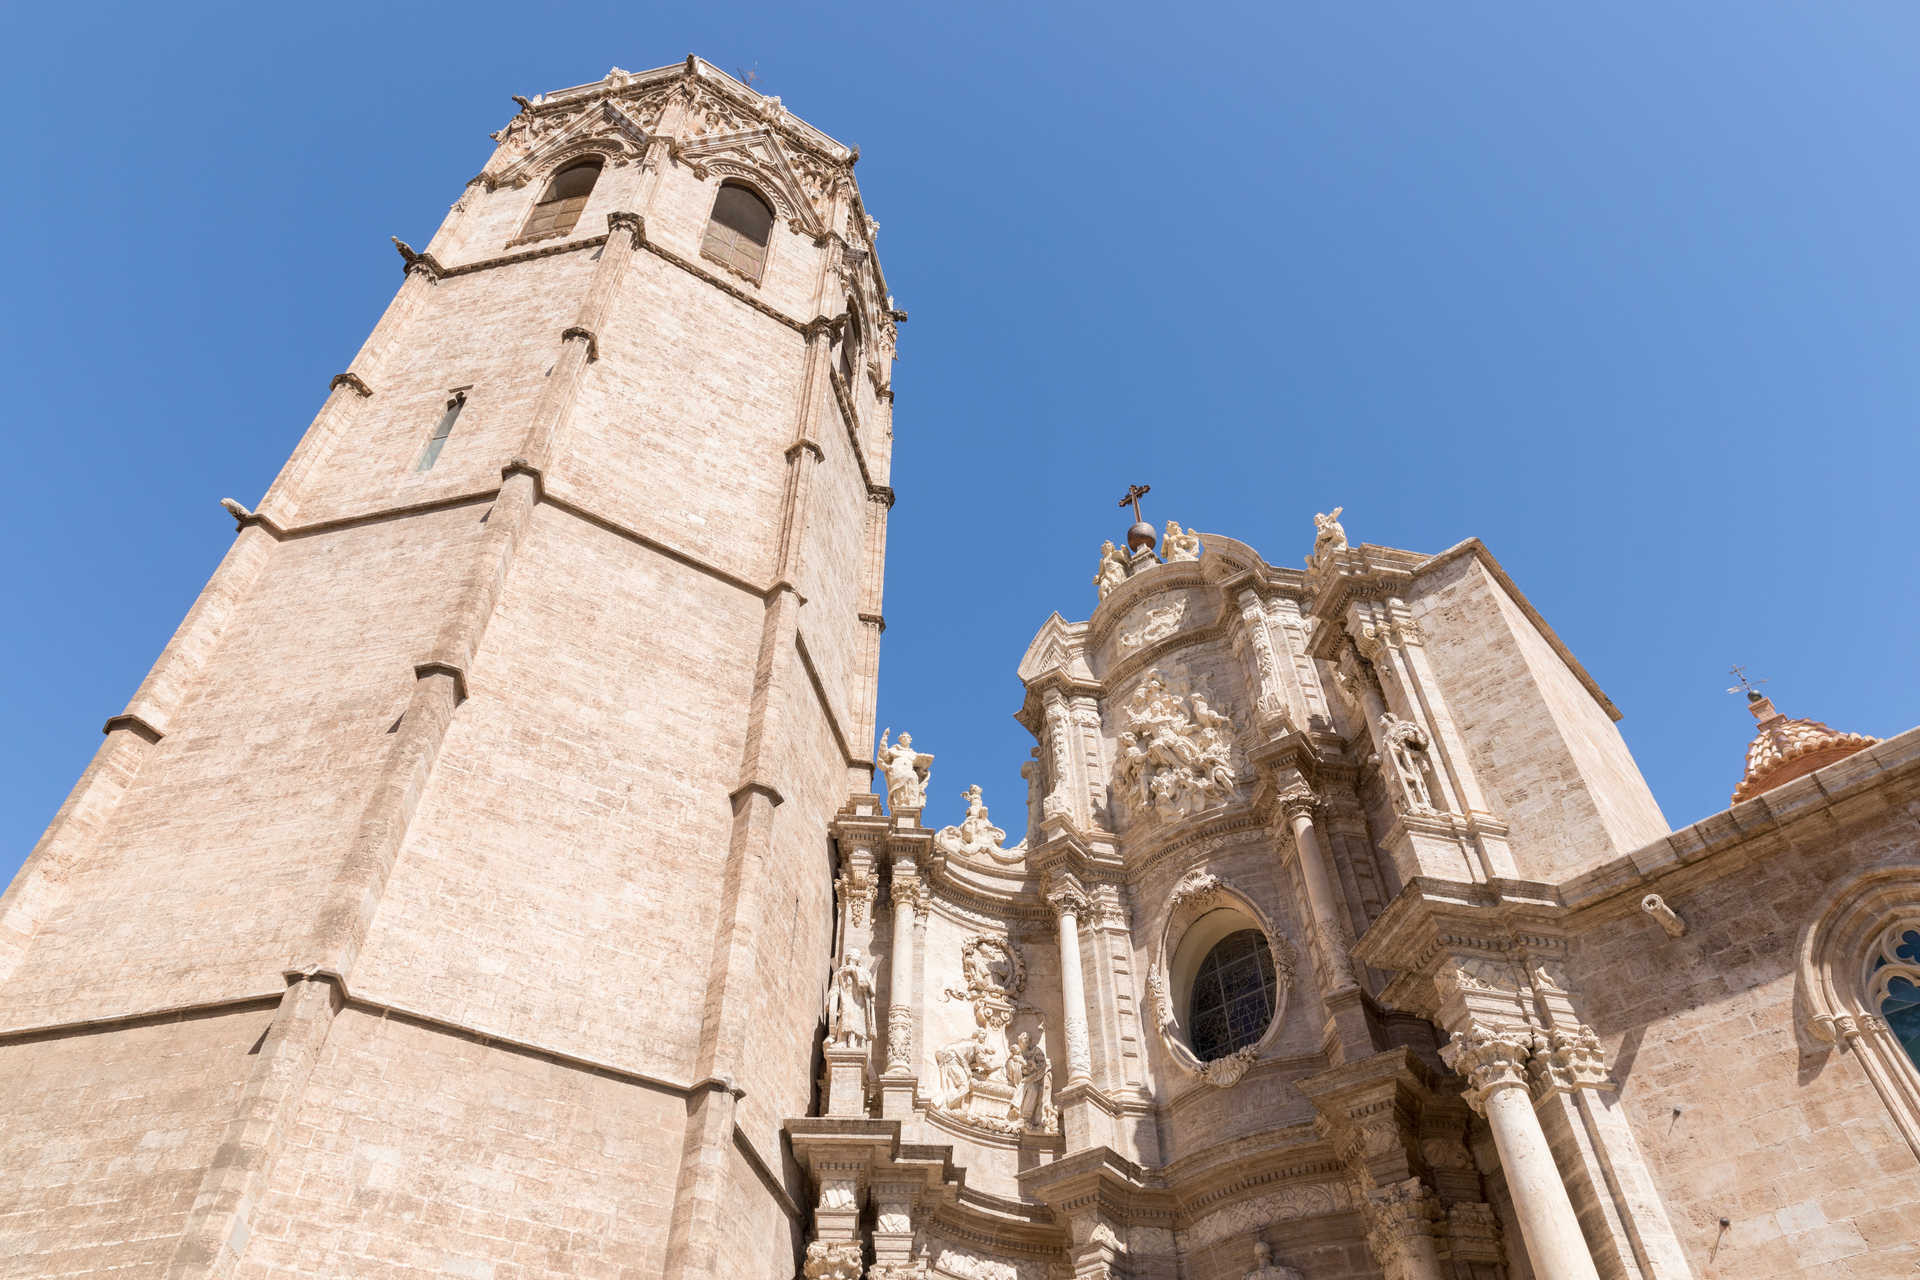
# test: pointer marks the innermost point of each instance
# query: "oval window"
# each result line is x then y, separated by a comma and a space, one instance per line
1233, 996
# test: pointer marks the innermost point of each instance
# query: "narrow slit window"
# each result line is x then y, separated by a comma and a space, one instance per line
441, 432
561, 204
738, 230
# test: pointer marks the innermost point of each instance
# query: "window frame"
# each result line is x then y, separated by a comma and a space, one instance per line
442, 430
1842, 986
580, 160
1197, 922
773, 221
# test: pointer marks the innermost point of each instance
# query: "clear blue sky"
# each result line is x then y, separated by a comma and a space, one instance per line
1629, 294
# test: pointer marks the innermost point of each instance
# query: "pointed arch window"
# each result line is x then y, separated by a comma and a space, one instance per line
739, 230
1859, 984
561, 203
850, 344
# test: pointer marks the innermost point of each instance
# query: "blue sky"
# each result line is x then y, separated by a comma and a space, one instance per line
1628, 293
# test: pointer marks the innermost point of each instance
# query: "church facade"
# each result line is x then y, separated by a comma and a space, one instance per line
495, 875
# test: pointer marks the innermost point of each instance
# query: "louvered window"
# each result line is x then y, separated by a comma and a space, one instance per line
561, 203
738, 231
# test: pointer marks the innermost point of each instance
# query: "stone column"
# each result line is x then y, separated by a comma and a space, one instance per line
906, 898
1495, 1067
1331, 937
835, 1252
1069, 901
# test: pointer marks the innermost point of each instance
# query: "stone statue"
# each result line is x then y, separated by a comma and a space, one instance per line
1179, 544
1031, 1075
1263, 1265
907, 771
850, 1003
1329, 534
977, 835
960, 1063
1113, 569
1406, 746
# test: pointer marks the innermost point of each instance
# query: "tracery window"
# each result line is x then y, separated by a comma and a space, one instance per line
1233, 995
738, 230
561, 203
1894, 984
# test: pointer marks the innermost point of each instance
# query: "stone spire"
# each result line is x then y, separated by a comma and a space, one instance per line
1784, 749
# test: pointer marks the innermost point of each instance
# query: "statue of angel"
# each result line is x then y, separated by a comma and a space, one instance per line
1113, 569
1179, 544
1329, 534
908, 772
850, 1002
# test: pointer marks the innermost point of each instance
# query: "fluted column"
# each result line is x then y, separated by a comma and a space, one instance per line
1331, 936
906, 898
1069, 902
1494, 1064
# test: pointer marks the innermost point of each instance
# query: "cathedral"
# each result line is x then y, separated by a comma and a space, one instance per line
498, 876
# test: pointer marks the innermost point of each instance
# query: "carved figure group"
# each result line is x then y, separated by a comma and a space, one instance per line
1328, 533
1176, 752
1112, 571
976, 834
1180, 544
850, 1003
963, 1061
1022, 1069
908, 772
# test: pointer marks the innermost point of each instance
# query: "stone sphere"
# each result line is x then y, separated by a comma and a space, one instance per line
1142, 535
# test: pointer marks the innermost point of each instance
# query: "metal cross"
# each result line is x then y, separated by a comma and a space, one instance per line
1135, 492
1745, 686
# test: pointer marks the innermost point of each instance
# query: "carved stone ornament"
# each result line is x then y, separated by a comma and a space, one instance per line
908, 773
1160, 623
1265, 1268
1197, 889
1568, 1058
1179, 544
1489, 1060
1406, 747
833, 1260
1224, 1073
1175, 753
993, 970
976, 835
1401, 1213
1113, 569
857, 888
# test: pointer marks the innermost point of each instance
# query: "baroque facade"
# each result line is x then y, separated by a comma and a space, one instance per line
489, 880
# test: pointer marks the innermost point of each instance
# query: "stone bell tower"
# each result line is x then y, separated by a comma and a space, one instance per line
455, 890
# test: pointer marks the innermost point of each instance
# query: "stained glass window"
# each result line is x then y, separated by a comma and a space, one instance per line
1900, 1005
1232, 996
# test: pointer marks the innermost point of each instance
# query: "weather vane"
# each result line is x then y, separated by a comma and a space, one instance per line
749, 76
1745, 686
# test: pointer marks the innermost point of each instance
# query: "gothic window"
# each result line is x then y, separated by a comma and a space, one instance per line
561, 203
431, 455
1895, 979
738, 231
1233, 996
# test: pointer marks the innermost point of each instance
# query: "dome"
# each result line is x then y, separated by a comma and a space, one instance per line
1784, 749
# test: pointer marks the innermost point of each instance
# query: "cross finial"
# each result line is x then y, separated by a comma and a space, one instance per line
1746, 686
1135, 492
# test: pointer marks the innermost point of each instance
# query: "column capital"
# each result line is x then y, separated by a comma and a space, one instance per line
1066, 896
1568, 1058
1297, 801
1490, 1060
1404, 1218
628, 220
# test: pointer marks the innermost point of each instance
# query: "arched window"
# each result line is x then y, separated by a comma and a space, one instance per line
1233, 996
561, 203
1859, 984
738, 230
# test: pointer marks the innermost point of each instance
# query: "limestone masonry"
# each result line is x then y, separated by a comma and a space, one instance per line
488, 880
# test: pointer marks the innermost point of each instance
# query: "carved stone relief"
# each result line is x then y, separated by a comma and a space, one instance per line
1161, 622
987, 1080
1175, 752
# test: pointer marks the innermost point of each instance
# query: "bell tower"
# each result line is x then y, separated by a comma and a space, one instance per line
455, 890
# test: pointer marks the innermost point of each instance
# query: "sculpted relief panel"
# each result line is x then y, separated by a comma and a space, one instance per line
1175, 752
986, 1079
